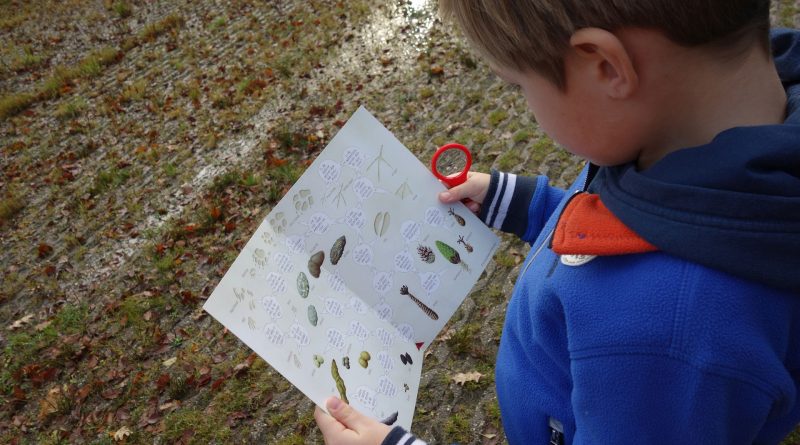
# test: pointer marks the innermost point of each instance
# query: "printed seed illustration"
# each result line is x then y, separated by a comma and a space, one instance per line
363, 359
302, 285
390, 420
339, 382
318, 360
458, 217
315, 262
346, 362
466, 244
338, 249
312, 315
381, 224
426, 254
428, 311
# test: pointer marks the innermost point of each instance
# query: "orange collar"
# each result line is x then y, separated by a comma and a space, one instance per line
587, 227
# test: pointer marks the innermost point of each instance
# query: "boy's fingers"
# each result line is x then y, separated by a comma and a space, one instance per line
327, 424
344, 414
466, 190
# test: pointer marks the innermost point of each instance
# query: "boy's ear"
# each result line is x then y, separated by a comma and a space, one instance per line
610, 63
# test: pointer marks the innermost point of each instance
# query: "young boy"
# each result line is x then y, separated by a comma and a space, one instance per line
660, 303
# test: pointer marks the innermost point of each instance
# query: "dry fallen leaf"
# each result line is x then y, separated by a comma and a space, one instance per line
19, 324
50, 403
121, 434
461, 378
447, 335
170, 361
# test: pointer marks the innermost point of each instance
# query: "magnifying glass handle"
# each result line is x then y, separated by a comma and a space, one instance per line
453, 180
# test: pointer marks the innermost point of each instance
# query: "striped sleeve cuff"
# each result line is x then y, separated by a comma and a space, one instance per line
507, 201
399, 436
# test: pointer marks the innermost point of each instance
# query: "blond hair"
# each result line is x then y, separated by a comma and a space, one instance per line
534, 34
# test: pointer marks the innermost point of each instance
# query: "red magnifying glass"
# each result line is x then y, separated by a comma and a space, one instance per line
451, 163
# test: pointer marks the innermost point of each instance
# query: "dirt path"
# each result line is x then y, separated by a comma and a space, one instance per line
141, 144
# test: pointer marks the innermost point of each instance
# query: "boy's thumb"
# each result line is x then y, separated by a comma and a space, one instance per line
344, 413
473, 190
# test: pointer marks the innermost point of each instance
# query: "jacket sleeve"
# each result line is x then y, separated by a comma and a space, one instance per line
399, 436
659, 399
518, 204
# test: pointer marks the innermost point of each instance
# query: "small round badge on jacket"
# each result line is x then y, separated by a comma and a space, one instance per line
576, 260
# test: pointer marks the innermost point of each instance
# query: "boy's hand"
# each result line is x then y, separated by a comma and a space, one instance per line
471, 193
346, 426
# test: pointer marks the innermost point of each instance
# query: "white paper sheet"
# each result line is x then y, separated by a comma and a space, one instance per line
403, 264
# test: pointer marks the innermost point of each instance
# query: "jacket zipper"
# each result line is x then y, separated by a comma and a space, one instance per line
592, 170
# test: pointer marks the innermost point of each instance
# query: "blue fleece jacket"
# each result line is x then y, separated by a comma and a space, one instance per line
695, 342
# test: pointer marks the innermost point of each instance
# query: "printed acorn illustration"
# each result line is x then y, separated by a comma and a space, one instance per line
428, 311
459, 219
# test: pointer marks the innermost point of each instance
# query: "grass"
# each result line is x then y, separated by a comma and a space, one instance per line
509, 160
456, 429
497, 116
72, 108
109, 179
134, 92
25, 59
122, 9
10, 205
15, 103
462, 341
201, 427
90, 66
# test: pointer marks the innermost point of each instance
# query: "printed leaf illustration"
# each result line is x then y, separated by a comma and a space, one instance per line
448, 252
381, 223
451, 254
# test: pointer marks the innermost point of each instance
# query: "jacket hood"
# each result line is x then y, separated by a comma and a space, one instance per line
733, 204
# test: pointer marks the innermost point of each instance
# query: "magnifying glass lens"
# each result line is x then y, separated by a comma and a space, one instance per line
451, 162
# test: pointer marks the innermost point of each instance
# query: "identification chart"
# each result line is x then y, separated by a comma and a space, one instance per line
354, 273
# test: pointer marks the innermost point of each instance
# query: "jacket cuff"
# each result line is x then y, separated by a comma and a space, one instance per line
507, 201
399, 436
